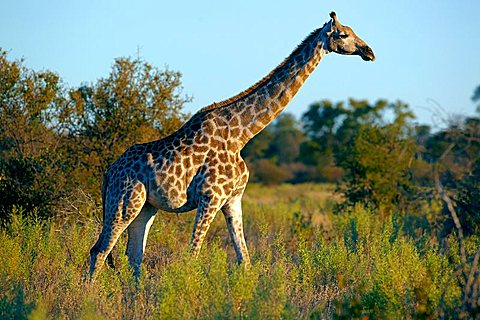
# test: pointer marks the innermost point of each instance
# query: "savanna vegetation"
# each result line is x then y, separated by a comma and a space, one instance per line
356, 211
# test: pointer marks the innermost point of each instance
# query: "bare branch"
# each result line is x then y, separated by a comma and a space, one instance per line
471, 276
453, 213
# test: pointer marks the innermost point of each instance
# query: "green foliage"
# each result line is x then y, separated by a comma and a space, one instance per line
136, 103
28, 102
12, 302
377, 168
257, 147
54, 143
287, 138
31, 183
29, 147
363, 267
332, 128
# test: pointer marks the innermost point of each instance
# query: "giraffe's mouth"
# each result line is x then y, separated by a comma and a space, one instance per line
366, 53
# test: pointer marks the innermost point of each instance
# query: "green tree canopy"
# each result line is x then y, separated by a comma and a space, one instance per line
28, 103
377, 166
286, 140
136, 103
30, 149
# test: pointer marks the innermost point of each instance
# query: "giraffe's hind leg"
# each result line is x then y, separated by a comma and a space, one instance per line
137, 236
119, 213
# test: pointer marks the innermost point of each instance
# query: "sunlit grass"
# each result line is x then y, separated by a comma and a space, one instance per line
307, 263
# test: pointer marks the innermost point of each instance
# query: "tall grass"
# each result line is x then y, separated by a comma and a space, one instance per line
307, 263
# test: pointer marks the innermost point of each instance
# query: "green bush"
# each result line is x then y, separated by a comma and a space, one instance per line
377, 167
361, 267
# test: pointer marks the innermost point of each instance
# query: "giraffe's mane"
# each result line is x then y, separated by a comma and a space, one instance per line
251, 89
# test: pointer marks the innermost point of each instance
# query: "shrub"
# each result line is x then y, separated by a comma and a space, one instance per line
377, 169
365, 268
267, 172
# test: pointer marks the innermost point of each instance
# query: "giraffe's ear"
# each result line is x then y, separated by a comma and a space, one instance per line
336, 23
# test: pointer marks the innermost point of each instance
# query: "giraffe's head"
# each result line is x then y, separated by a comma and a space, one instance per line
341, 39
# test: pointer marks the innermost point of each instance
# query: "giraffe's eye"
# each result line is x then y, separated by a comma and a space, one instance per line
343, 35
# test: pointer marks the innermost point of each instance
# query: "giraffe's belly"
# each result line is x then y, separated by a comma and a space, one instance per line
177, 193
163, 202
171, 199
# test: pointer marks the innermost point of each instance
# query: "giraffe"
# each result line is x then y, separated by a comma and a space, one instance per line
199, 166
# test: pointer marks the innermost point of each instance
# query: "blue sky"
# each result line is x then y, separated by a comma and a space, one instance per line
427, 51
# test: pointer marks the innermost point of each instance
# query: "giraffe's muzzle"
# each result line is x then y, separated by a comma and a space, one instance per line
366, 53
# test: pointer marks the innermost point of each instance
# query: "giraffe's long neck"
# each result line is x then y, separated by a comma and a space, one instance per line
252, 110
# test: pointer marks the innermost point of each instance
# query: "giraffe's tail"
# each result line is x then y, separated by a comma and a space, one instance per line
104, 193
104, 199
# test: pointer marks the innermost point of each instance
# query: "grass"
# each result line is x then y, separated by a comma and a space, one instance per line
307, 263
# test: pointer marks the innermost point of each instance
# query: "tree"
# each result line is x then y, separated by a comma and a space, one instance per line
30, 153
257, 147
377, 157
467, 197
377, 168
455, 151
476, 97
286, 140
136, 103
276, 149
332, 128
269, 173
321, 122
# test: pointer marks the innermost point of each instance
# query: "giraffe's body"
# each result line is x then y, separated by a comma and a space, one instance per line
199, 166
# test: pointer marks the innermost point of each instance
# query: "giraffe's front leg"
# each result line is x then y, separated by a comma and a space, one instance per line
206, 211
232, 211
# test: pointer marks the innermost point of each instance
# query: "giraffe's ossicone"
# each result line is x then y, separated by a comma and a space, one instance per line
199, 166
